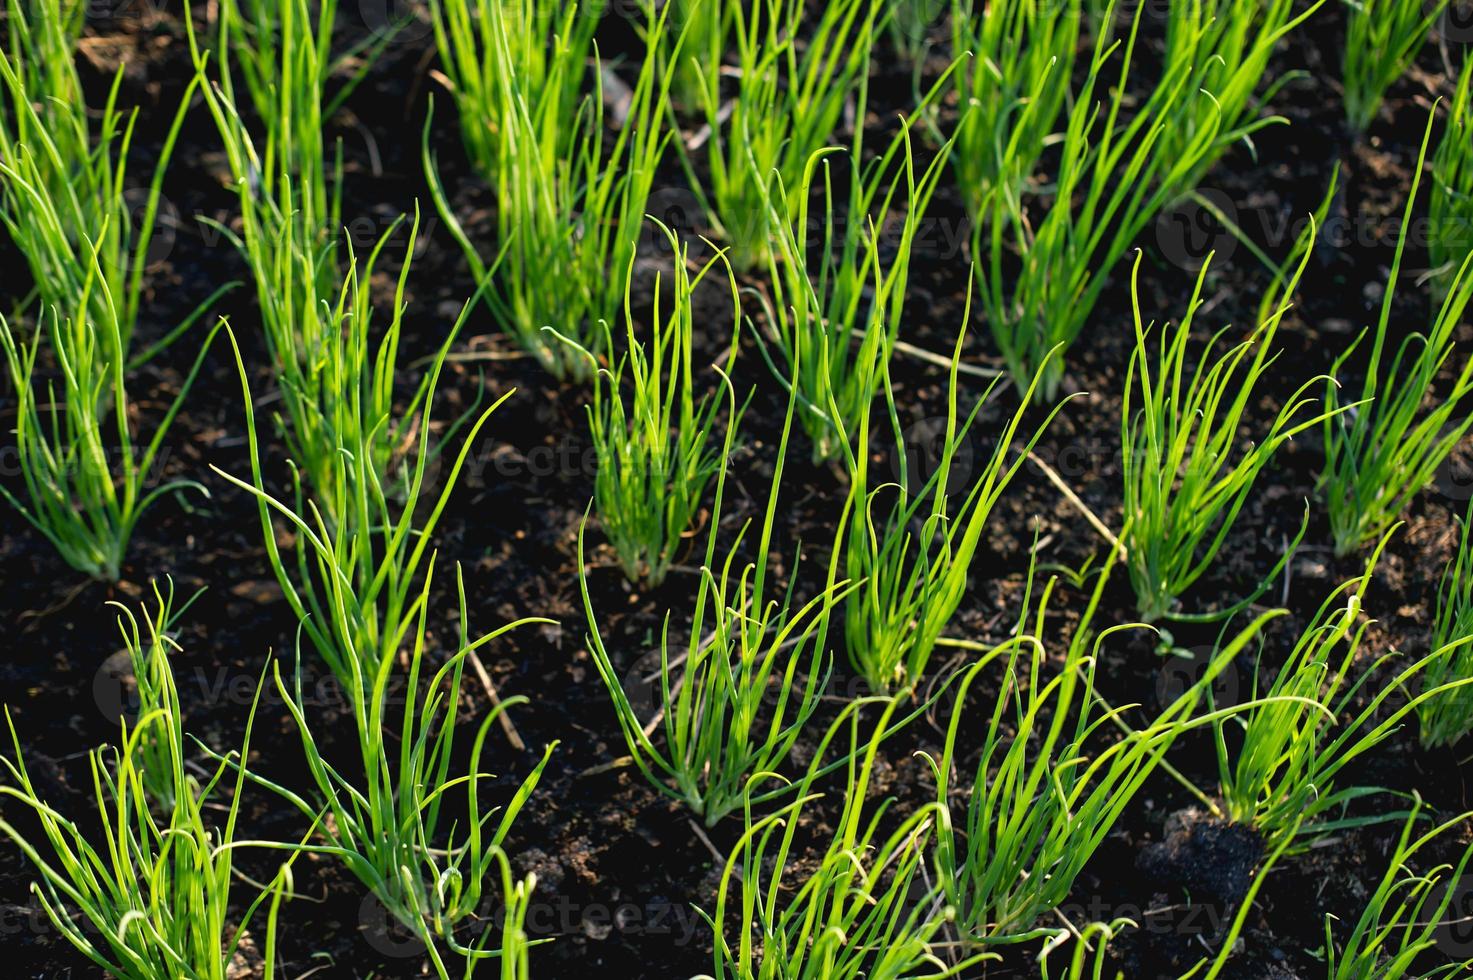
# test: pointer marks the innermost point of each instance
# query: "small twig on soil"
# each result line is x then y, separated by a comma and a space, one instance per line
1073, 498
720, 858
939, 361
603, 767
506, 724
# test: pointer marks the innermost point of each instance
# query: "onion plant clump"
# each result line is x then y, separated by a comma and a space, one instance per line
513, 56
146, 895
839, 283
733, 702
1450, 208
1045, 254
84, 233
288, 189
360, 589
43, 36
1447, 717
1014, 87
704, 28
1053, 776
1379, 456
792, 81
1382, 39
360, 543
868, 907
1311, 721
1403, 917
288, 195
1230, 43
150, 648
334, 384
655, 447
391, 823
1185, 478
86, 482
570, 201
911, 543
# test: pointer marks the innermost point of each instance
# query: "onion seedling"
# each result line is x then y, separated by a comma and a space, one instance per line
570, 204
655, 452
150, 899
1312, 721
1045, 794
497, 56
334, 385
1449, 716
289, 205
793, 80
1382, 39
839, 286
1381, 454
1185, 480
86, 482
868, 909
1014, 87
389, 823
360, 590
1230, 42
732, 704
1407, 913
64, 199
353, 579
1045, 256
149, 653
911, 544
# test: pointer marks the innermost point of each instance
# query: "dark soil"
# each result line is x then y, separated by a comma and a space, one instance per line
619, 866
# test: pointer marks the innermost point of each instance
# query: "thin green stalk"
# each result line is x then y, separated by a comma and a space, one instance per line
1379, 456
867, 909
655, 451
751, 675
911, 544
1185, 478
570, 202
150, 898
1382, 38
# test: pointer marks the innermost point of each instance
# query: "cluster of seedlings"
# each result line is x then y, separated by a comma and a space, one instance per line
1060, 173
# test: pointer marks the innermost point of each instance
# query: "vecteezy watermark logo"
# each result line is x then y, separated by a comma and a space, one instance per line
398, 21
114, 688
1454, 478
383, 932
1454, 933
165, 224
547, 917
1456, 25
677, 208
912, 19
925, 452
1184, 667
1194, 228
641, 683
